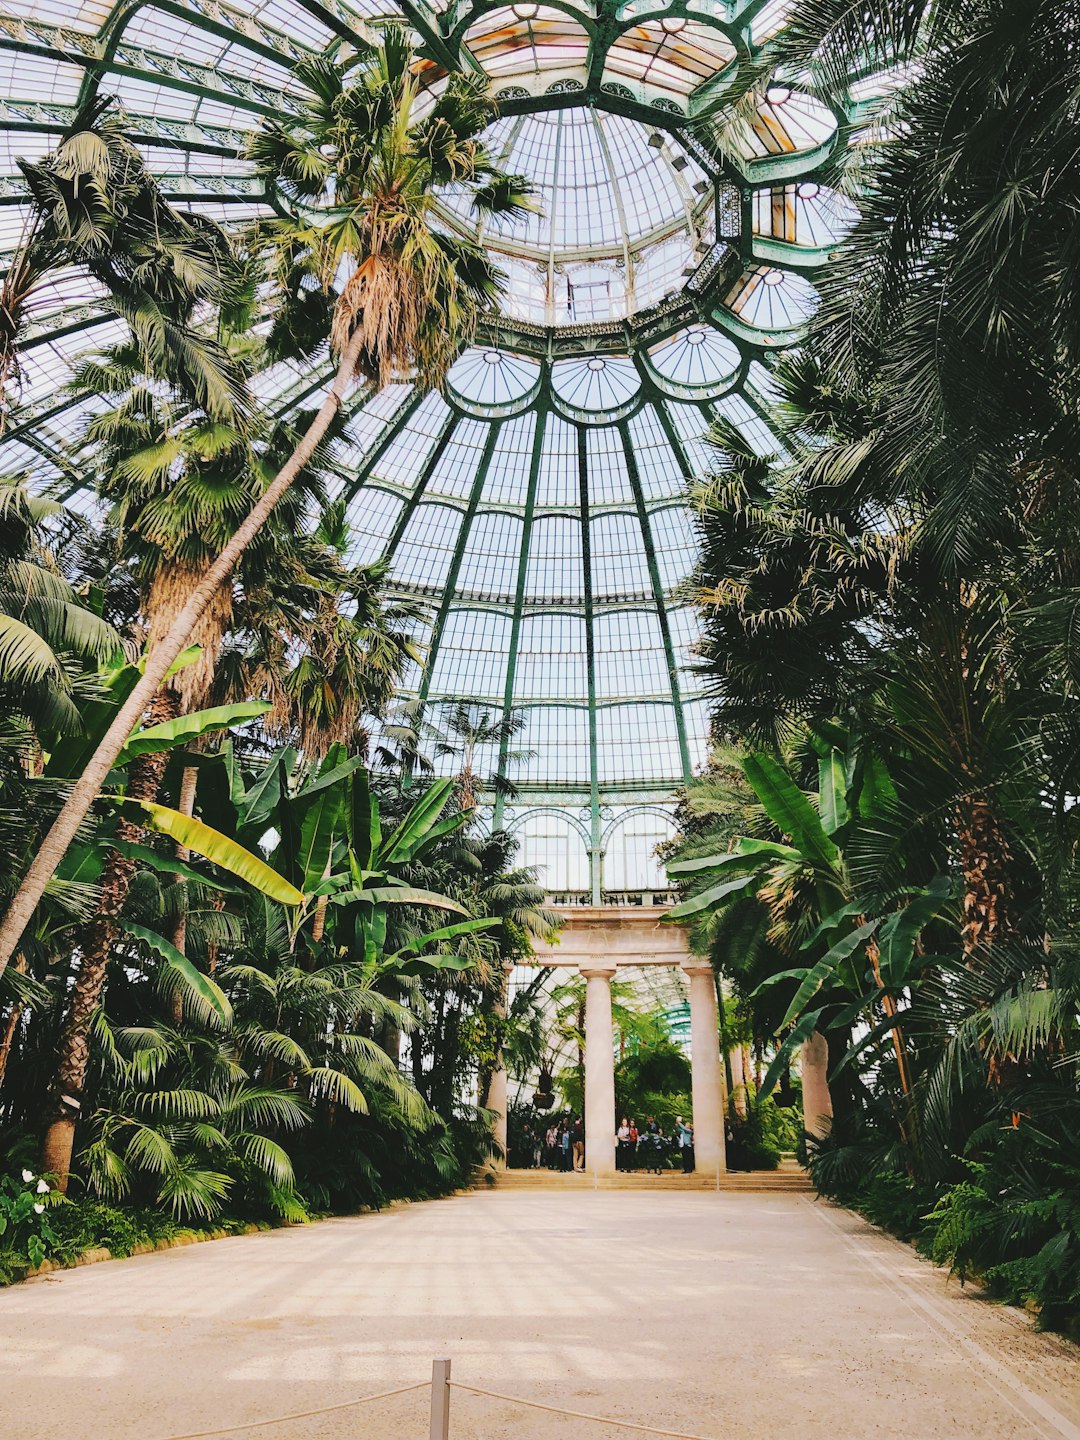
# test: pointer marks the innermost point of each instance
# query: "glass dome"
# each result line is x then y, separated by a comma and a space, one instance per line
536, 507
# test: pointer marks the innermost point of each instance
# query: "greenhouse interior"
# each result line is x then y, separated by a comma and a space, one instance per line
539, 584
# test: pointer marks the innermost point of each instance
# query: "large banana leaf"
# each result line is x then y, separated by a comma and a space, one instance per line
71, 755
332, 773
827, 966
804, 1028
790, 810
362, 818
168, 865
210, 998
185, 728
398, 895
219, 849
833, 792
322, 820
403, 844
900, 931
448, 932
746, 855
261, 800
710, 898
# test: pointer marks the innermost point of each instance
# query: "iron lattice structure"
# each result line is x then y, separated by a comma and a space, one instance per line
538, 505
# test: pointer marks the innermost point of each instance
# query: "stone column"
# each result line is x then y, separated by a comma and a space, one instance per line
495, 1095
816, 1099
708, 1074
599, 1072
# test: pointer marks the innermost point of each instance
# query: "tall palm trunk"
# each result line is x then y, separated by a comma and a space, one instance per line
11, 1025
186, 806
97, 942
160, 660
986, 864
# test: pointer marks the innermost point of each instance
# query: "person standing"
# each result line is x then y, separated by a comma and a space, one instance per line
624, 1146
653, 1141
565, 1142
579, 1145
635, 1139
684, 1137
551, 1147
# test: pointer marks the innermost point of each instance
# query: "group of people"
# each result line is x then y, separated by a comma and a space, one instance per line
649, 1149
562, 1145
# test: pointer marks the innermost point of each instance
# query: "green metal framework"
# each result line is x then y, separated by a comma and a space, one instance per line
538, 505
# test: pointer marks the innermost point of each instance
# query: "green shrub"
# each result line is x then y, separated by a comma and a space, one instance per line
26, 1232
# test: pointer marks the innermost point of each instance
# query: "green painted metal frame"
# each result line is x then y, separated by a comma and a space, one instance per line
519, 596
659, 599
596, 858
107, 52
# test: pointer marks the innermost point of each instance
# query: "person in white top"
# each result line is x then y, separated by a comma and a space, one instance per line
624, 1145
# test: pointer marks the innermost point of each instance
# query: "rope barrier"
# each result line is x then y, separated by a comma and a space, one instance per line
574, 1414
300, 1414
451, 1384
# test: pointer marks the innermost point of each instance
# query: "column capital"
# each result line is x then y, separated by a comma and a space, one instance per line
694, 967
597, 970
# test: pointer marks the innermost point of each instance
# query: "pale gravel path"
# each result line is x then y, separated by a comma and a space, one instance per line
741, 1316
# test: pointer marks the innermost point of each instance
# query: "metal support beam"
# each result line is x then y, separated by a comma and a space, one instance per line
450, 585
595, 851
453, 420
658, 599
519, 597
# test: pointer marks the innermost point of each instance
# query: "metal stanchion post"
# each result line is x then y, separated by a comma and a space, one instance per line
440, 1400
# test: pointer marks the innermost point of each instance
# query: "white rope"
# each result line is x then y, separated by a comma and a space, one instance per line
574, 1414
301, 1414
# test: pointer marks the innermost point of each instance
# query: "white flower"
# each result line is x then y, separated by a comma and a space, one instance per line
39, 1209
28, 1175
43, 1187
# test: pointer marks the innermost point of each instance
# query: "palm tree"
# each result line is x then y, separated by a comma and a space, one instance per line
413, 295
45, 630
464, 730
179, 481
95, 205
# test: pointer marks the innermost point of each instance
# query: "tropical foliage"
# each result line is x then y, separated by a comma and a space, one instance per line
883, 850
248, 977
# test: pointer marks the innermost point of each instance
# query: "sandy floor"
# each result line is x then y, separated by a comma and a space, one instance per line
748, 1316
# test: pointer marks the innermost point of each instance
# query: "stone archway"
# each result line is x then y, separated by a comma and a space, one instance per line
597, 940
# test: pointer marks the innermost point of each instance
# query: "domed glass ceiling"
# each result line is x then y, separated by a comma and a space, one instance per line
537, 506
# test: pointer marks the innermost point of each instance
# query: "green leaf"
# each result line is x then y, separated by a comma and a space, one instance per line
183, 661
218, 849
804, 1028
362, 821
421, 964
399, 895
901, 931
747, 853
853, 907
72, 754
433, 937
212, 1000
169, 865
790, 810
322, 818
402, 844
877, 793
710, 899
832, 792
827, 966
261, 799
185, 728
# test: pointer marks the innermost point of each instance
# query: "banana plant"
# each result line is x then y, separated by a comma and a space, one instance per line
853, 962
83, 864
327, 841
